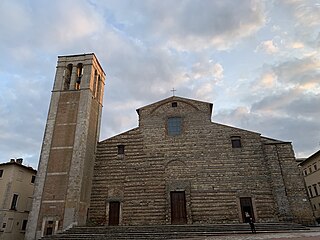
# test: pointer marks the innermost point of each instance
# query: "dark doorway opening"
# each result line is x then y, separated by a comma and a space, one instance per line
49, 231
178, 207
49, 228
114, 213
246, 209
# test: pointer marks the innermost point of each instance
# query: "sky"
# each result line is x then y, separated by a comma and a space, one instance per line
257, 61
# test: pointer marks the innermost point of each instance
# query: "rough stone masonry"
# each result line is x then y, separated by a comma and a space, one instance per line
220, 172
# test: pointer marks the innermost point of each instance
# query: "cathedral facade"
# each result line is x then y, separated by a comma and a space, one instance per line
179, 167
176, 167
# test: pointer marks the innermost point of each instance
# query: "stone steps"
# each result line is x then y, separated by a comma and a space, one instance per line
159, 232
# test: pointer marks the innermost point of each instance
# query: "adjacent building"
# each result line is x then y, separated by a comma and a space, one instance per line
310, 168
16, 189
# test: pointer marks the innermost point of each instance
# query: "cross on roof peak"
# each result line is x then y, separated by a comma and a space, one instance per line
173, 90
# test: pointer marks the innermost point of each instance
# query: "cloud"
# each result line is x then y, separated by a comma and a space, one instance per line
22, 124
287, 81
299, 72
207, 70
190, 24
296, 74
297, 45
306, 15
275, 104
218, 24
15, 19
217, 72
25, 25
268, 80
268, 47
204, 91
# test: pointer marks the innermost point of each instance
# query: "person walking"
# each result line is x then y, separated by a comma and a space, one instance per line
253, 228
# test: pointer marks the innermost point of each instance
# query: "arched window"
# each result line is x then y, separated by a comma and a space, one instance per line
79, 75
67, 77
99, 88
174, 126
121, 149
236, 142
95, 83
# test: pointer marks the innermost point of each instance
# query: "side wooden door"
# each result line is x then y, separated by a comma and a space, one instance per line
114, 213
178, 207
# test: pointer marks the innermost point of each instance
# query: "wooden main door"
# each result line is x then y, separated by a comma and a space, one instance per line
178, 208
246, 209
114, 213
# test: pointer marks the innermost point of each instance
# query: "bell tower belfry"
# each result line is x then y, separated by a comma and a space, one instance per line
63, 184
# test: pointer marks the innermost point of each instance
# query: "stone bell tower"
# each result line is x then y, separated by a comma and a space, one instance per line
63, 184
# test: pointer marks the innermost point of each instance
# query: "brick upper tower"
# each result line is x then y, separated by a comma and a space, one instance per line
63, 184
